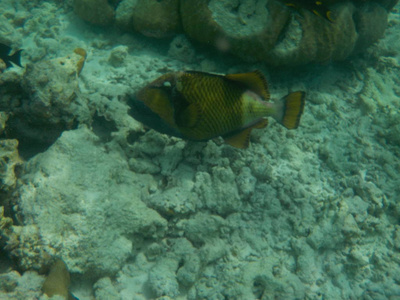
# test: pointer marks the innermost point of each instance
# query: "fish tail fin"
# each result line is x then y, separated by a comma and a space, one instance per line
290, 108
16, 58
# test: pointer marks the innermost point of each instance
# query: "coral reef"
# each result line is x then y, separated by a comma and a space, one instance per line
98, 12
159, 19
43, 102
13, 285
265, 31
156, 18
136, 214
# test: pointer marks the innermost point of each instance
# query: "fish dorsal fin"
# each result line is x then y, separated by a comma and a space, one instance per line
254, 81
240, 140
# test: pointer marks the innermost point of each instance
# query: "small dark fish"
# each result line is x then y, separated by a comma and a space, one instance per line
9, 59
317, 7
200, 106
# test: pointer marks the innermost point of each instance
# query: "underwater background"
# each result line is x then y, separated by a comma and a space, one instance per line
96, 206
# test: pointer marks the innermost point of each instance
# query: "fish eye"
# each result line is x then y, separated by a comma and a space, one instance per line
167, 84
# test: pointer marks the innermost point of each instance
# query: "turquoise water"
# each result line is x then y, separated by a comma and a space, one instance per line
311, 213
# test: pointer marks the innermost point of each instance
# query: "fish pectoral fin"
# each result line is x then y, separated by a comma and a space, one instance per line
186, 114
240, 140
189, 116
254, 81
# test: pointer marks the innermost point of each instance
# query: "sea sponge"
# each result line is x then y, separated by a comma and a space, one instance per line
58, 281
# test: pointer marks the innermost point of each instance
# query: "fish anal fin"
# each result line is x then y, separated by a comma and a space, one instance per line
262, 124
240, 140
254, 81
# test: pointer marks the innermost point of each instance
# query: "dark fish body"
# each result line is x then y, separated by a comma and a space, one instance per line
9, 59
200, 106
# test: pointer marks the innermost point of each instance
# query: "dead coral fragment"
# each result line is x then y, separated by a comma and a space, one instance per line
81, 62
3, 66
9, 159
5, 222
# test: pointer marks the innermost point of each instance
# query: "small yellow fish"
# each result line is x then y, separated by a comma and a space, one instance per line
200, 106
317, 7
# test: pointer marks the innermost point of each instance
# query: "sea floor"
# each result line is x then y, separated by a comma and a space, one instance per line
311, 213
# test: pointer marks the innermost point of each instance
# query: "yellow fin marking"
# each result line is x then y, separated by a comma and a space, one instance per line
293, 109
